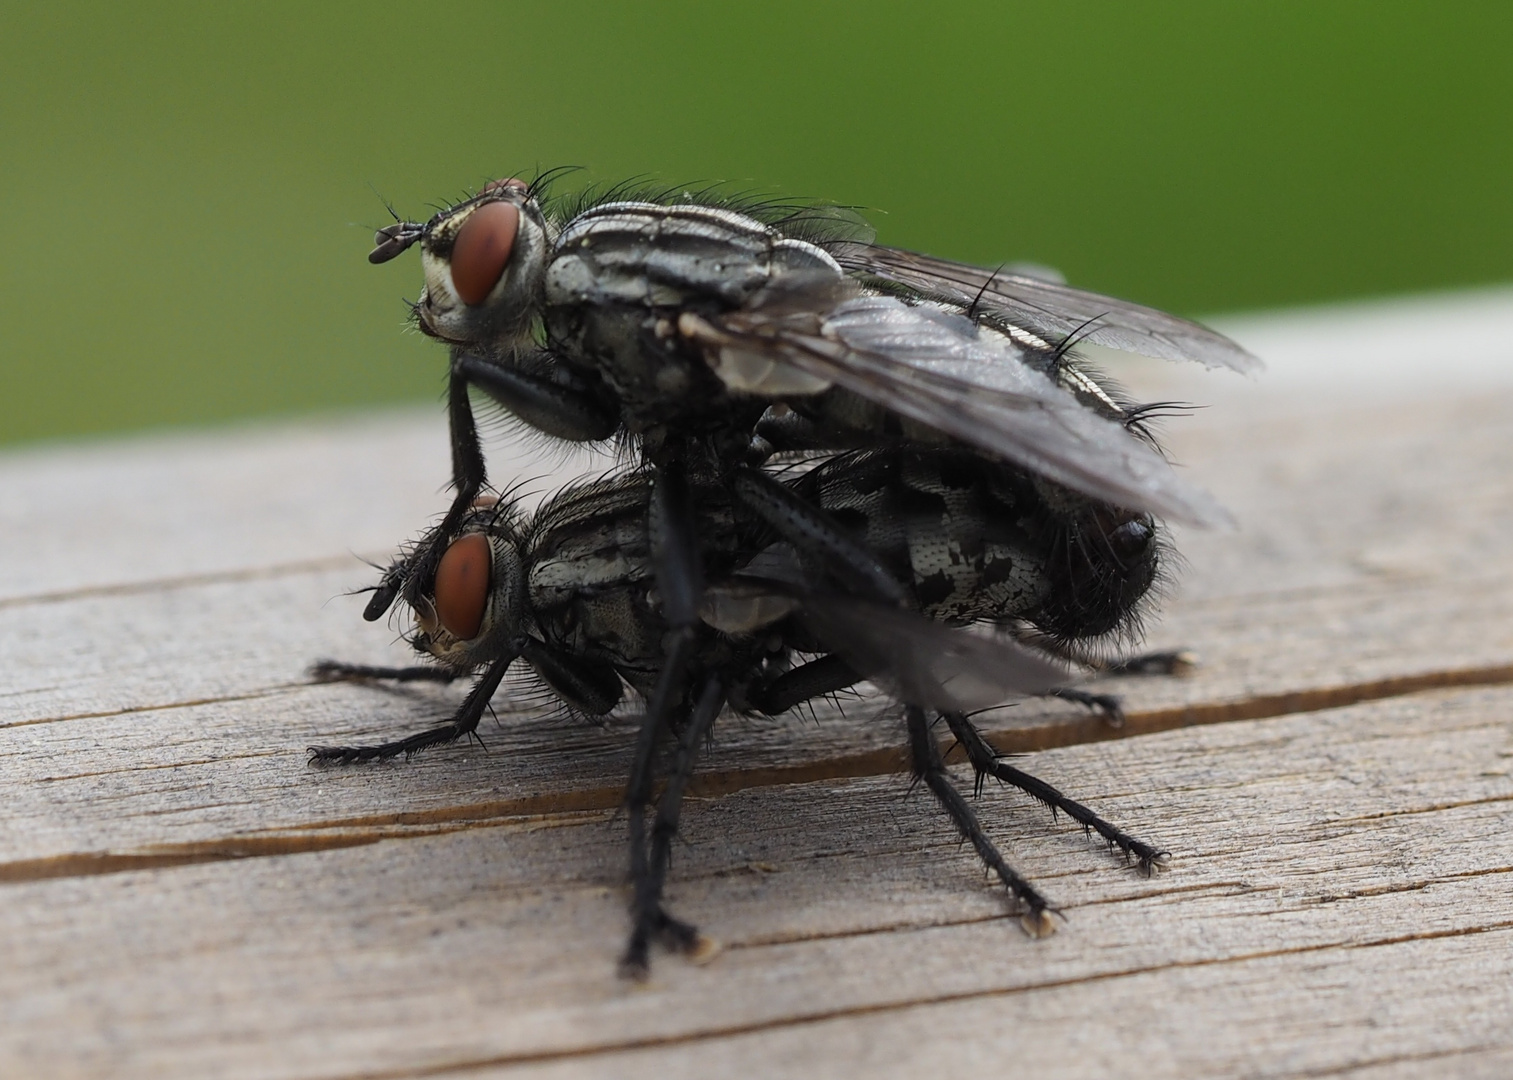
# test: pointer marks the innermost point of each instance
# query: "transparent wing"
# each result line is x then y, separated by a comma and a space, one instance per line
1049, 309
940, 369
924, 663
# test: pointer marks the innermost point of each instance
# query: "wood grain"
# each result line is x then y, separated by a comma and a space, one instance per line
182, 896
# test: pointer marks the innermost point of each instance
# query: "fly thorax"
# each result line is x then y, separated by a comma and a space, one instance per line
847, 419
622, 273
749, 372
604, 554
653, 376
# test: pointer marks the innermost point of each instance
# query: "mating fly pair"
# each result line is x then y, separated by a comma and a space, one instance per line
969, 469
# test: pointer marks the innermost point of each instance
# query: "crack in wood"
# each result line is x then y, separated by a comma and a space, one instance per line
155, 767
251, 695
1405, 887
1260, 707
186, 581
293, 840
368, 829
1392, 1059
1434, 809
1222, 888
820, 1016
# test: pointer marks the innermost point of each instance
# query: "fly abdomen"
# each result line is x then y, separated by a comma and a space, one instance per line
1106, 565
949, 523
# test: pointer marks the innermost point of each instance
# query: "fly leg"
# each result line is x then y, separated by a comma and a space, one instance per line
1177, 662
1111, 706
986, 762
924, 756
468, 478
563, 407
648, 915
540, 390
464, 722
1172, 662
827, 675
680, 581
336, 671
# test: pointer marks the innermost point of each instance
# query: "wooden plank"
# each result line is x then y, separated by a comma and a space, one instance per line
1338, 492
185, 746
1316, 859
156, 509
461, 912
1326, 491
204, 678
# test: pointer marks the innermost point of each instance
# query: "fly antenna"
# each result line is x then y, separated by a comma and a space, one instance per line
392, 239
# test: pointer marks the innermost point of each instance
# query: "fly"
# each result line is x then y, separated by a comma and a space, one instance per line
767, 618
710, 333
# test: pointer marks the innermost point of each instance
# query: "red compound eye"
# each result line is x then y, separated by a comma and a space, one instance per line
482, 249
462, 585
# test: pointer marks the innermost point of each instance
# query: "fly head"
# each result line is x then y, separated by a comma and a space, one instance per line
472, 606
483, 261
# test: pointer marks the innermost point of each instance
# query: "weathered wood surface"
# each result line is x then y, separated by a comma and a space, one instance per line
181, 896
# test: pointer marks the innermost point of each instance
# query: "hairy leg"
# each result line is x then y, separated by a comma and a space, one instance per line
647, 914
928, 768
464, 722
986, 762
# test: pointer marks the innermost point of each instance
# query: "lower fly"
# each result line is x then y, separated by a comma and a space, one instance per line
865, 567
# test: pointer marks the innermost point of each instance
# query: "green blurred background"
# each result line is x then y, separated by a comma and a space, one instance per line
189, 190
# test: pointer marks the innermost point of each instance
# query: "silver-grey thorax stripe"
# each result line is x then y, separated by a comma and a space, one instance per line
647, 221
695, 248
